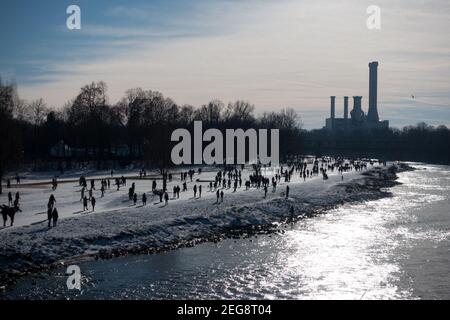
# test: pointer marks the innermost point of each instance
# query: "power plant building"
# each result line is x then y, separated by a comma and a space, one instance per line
358, 119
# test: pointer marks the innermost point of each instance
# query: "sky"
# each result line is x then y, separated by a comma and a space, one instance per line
275, 54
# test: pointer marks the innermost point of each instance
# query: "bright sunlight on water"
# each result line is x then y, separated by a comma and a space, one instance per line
393, 248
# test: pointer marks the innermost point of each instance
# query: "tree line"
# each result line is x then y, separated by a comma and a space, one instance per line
420, 142
141, 122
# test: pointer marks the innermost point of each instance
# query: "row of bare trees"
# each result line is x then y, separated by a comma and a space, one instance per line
142, 121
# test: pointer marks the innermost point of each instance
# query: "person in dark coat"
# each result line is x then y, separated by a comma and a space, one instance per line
49, 214
85, 203
10, 200
52, 200
144, 199
287, 192
135, 199
55, 216
93, 201
82, 194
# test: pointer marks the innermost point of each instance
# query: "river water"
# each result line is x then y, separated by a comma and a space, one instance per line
393, 248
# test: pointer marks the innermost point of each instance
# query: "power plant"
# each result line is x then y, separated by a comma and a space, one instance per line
358, 119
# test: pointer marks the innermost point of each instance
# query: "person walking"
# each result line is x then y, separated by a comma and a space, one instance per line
93, 201
218, 195
221, 196
10, 199
287, 192
52, 200
144, 199
55, 216
200, 191
135, 199
85, 203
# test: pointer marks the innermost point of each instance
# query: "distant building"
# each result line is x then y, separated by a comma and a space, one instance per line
61, 150
358, 119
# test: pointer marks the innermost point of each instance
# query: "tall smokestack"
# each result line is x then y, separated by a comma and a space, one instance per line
372, 114
345, 107
333, 108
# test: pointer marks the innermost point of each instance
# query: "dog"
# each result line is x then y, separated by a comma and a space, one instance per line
9, 212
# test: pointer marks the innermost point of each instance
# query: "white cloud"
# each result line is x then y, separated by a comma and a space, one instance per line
279, 54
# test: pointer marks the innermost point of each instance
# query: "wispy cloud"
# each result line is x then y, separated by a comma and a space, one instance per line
275, 54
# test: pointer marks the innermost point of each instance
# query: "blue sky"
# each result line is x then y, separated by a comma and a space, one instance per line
287, 53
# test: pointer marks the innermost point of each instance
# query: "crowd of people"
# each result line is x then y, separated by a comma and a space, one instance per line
226, 179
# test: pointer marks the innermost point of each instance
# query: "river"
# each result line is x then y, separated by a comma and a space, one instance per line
393, 248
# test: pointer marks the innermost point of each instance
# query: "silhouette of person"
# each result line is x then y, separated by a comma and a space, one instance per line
144, 199
55, 216
85, 203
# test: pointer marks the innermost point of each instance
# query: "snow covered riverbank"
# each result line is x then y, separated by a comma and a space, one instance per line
34, 247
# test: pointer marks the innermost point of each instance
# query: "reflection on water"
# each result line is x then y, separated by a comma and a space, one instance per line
393, 248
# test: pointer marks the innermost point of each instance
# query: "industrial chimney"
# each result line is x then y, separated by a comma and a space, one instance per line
333, 108
357, 113
372, 115
345, 107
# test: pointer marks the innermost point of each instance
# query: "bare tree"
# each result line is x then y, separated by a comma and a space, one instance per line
210, 113
9, 140
239, 112
38, 111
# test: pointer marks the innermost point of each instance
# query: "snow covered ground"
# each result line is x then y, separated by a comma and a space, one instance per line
35, 190
118, 226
